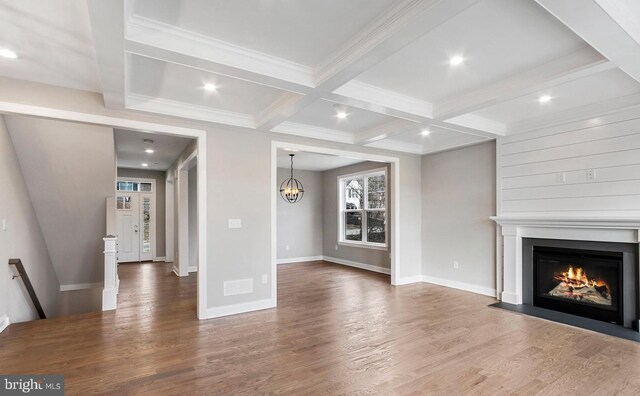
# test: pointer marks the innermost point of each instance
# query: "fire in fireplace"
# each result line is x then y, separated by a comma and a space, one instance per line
579, 282
574, 284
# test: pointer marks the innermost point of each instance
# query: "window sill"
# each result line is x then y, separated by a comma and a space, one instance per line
363, 245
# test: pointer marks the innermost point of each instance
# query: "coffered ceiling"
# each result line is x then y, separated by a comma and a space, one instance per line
295, 67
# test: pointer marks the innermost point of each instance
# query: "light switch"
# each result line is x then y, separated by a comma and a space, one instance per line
4, 224
235, 223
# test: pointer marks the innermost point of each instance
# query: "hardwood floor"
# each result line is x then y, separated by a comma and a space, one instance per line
336, 330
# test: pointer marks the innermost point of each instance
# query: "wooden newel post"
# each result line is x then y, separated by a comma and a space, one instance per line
111, 280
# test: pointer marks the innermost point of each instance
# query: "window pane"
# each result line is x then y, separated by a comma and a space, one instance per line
145, 186
354, 194
127, 203
120, 203
376, 227
146, 225
353, 226
377, 191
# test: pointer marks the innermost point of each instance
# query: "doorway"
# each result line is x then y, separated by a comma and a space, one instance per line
136, 219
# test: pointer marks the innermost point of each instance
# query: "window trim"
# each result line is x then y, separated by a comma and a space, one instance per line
341, 211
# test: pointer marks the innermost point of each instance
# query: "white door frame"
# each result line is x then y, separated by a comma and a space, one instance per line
140, 213
146, 127
183, 213
275, 195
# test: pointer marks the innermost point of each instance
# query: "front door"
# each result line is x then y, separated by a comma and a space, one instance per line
128, 209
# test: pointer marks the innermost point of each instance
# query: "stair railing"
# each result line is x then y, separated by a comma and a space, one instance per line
22, 274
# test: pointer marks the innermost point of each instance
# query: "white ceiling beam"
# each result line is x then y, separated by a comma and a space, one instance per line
376, 108
170, 43
602, 30
576, 65
405, 22
314, 132
469, 130
107, 25
384, 131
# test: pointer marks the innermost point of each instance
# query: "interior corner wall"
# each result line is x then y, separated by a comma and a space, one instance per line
159, 177
68, 168
300, 228
458, 197
331, 248
22, 239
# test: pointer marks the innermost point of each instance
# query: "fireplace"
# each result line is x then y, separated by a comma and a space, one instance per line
580, 282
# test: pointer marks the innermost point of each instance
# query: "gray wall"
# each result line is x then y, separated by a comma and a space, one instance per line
23, 239
159, 177
378, 258
69, 172
300, 224
458, 196
193, 217
241, 159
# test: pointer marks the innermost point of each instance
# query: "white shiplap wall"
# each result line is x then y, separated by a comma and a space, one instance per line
545, 172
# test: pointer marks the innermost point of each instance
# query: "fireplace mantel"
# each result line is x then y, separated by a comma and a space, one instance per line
514, 229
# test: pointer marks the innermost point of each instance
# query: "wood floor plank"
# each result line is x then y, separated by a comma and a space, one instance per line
336, 330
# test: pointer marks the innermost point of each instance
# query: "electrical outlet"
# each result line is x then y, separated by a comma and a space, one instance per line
264, 279
4, 224
591, 174
456, 265
235, 223
286, 248
336, 247
561, 177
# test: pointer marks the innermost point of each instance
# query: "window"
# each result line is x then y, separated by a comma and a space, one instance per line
123, 202
134, 186
363, 208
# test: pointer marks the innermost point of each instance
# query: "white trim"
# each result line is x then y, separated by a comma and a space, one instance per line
148, 127
4, 322
486, 291
364, 245
397, 145
313, 132
193, 269
81, 286
394, 235
409, 280
355, 264
234, 309
159, 259
299, 259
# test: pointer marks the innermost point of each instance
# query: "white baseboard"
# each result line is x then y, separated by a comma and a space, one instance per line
4, 322
176, 271
159, 259
81, 286
234, 309
355, 264
193, 269
486, 291
299, 260
408, 280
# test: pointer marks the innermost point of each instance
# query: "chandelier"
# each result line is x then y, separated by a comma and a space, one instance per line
291, 189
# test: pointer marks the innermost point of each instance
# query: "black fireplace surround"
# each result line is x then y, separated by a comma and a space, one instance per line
596, 280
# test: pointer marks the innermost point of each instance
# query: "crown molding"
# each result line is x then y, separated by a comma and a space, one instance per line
314, 132
386, 98
181, 109
479, 123
169, 37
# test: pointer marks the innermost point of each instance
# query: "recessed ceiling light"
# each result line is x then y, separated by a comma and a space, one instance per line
149, 151
456, 60
7, 53
144, 164
544, 98
425, 132
341, 115
210, 87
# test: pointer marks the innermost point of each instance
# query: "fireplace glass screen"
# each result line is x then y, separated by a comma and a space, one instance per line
579, 282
